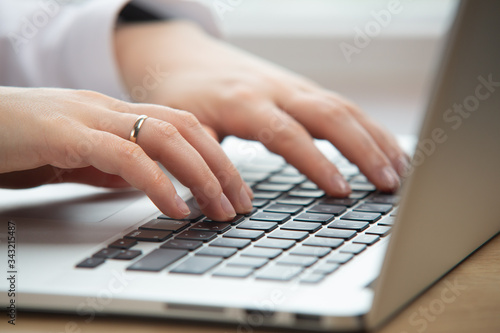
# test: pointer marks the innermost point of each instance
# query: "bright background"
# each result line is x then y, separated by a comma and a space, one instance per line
389, 78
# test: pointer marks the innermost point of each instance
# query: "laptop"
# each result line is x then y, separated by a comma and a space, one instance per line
300, 260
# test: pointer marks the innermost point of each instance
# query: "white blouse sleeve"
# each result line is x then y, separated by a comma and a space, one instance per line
69, 44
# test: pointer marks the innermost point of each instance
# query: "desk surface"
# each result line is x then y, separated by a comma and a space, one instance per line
476, 308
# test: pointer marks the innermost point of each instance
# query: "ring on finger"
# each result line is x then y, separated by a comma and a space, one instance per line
137, 126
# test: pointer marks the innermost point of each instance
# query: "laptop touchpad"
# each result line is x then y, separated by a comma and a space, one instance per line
79, 203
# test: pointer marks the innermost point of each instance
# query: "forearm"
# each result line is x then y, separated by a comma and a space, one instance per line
147, 53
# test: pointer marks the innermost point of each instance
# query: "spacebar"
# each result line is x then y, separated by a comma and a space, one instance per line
157, 260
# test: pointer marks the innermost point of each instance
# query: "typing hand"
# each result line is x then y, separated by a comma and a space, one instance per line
57, 135
238, 94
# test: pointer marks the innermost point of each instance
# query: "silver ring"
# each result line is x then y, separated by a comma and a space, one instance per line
137, 126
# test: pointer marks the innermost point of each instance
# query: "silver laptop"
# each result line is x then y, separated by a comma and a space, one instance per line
300, 260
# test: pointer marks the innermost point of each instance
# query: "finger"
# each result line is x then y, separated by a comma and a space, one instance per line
386, 142
211, 132
199, 143
229, 178
120, 157
325, 119
162, 142
282, 135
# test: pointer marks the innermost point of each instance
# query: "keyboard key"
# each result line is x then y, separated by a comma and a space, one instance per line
308, 185
237, 272
90, 263
311, 217
324, 242
270, 217
218, 227
128, 254
288, 234
254, 176
279, 272
360, 179
124, 243
339, 258
262, 252
267, 195
352, 225
283, 244
259, 203
358, 194
231, 242
286, 209
282, 179
366, 239
337, 233
388, 221
224, 252
253, 262
106, 253
253, 211
237, 219
262, 167
379, 230
157, 260
288, 200
355, 186
301, 226
149, 235
166, 225
203, 236
258, 225
326, 268
180, 244
274, 187
374, 208
327, 209
353, 248
307, 193
339, 201
243, 233
304, 261
197, 265
289, 171
316, 251
384, 198
312, 278
194, 216
360, 216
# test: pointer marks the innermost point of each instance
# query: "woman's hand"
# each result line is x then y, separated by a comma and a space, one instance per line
236, 93
53, 135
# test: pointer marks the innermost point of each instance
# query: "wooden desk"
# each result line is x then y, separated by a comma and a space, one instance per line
474, 309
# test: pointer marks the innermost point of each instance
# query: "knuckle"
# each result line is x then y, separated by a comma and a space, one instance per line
189, 120
165, 130
130, 151
334, 113
239, 93
156, 180
91, 94
288, 135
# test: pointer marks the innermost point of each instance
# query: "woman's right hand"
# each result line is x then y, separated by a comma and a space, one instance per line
53, 135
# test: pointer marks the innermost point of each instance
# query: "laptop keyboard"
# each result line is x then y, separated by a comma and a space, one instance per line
294, 232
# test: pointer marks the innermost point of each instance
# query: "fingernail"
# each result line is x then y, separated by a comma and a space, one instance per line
340, 185
226, 206
389, 177
182, 205
402, 165
245, 201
